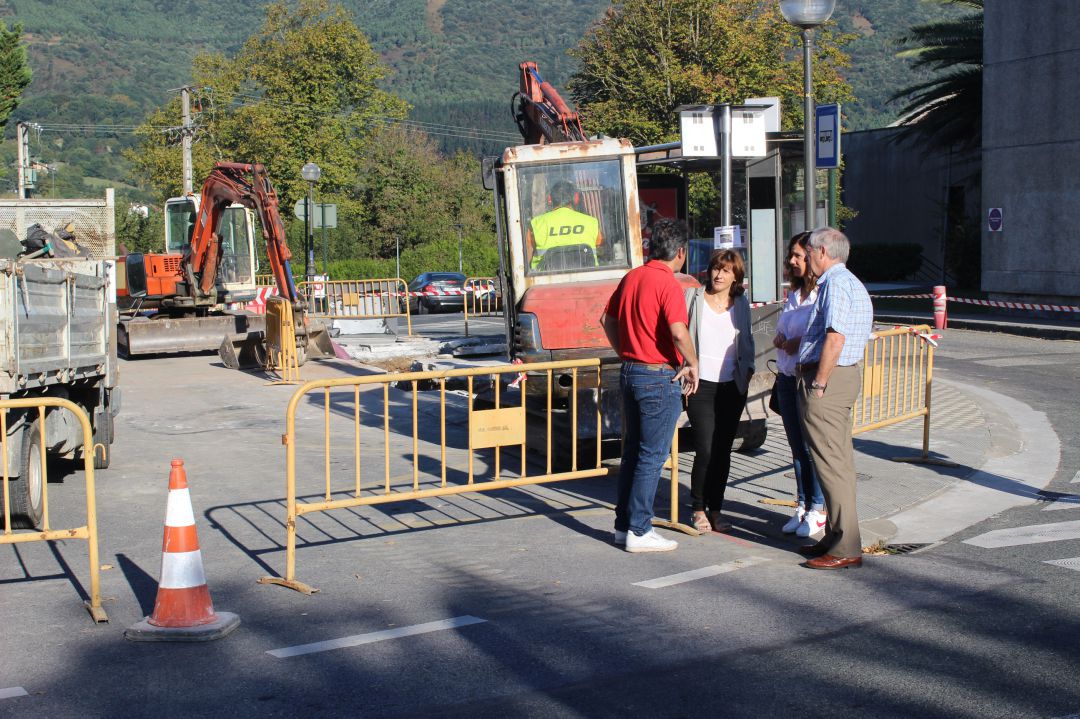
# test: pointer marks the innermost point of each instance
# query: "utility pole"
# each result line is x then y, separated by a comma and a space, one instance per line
185, 137
22, 142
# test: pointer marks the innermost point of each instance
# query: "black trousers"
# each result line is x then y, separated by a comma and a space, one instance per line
714, 412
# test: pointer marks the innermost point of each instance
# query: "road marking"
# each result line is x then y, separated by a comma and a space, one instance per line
703, 573
1031, 534
1067, 501
1070, 563
1076, 478
12, 692
1000, 484
358, 639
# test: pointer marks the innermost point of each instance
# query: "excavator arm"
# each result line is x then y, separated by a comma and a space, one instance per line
542, 116
247, 185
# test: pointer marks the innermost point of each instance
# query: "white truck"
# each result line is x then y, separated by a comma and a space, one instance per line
57, 339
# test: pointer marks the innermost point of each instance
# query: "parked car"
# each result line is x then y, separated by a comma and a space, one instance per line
437, 282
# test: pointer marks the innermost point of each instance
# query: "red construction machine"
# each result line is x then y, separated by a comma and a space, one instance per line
187, 289
554, 305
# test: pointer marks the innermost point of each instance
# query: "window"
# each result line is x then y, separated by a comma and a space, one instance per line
573, 216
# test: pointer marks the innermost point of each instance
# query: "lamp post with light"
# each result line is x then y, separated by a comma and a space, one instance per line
807, 15
311, 173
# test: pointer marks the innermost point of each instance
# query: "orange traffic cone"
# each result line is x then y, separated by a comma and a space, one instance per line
183, 611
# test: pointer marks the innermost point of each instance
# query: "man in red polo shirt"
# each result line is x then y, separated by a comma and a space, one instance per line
646, 322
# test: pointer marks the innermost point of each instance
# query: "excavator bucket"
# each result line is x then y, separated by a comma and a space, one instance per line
248, 350
243, 351
144, 336
319, 344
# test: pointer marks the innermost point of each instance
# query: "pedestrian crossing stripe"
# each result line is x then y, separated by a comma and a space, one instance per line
1070, 563
1031, 534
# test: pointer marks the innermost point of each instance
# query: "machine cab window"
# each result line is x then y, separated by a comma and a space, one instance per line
573, 217
233, 233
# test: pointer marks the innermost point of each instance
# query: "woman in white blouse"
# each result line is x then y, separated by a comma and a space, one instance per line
809, 517
720, 328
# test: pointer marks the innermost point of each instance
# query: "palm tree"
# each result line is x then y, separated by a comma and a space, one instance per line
946, 111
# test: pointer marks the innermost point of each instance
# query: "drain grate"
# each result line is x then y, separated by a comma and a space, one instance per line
904, 548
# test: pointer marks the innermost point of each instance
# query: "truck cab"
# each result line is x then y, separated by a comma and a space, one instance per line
556, 301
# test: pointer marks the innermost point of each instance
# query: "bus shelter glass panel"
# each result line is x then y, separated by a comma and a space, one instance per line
573, 216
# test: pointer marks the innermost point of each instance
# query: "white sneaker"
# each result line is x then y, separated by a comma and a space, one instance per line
620, 538
813, 523
795, 521
649, 542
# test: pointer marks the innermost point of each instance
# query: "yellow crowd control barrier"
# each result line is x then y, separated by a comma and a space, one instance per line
504, 437
37, 471
357, 299
481, 299
281, 356
898, 372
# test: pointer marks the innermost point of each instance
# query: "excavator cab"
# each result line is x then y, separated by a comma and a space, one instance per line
236, 272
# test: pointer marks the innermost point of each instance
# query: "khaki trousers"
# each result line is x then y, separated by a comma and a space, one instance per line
827, 420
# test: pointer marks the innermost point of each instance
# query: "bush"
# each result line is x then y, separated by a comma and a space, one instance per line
885, 262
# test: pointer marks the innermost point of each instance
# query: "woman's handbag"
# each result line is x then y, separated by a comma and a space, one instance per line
774, 399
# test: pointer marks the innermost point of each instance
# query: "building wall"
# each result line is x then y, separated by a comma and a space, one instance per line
900, 193
1031, 149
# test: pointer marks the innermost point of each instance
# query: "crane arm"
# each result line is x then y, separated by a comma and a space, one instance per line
542, 116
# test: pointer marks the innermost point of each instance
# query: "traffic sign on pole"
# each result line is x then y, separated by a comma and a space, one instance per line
828, 136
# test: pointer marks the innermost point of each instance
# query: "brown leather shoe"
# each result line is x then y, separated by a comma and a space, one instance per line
814, 550
827, 561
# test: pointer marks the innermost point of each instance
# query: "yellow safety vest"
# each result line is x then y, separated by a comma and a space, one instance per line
562, 227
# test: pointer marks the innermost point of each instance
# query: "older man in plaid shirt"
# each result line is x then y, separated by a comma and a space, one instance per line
829, 383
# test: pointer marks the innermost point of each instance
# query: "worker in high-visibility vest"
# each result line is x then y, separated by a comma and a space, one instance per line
561, 226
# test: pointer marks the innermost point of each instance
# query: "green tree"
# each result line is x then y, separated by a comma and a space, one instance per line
302, 89
647, 57
411, 192
946, 111
15, 72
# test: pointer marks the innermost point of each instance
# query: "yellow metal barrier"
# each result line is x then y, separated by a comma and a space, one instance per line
281, 356
38, 471
481, 299
501, 427
898, 370
357, 299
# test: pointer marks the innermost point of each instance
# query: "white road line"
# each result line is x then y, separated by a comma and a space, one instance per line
704, 572
1031, 534
358, 639
1070, 563
12, 692
1076, 478
1000, 484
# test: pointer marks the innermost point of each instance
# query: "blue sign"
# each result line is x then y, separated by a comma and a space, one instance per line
827, 122
993, 219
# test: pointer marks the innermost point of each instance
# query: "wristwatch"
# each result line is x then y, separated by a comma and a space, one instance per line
815, 385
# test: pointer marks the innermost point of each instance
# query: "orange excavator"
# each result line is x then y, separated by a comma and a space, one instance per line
186, 288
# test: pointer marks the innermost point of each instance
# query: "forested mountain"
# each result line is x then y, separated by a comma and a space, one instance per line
100, 63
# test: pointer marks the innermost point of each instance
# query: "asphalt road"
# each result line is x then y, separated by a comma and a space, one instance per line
515, 604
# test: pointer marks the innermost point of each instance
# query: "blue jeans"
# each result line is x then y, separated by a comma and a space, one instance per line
652, 403
806, 479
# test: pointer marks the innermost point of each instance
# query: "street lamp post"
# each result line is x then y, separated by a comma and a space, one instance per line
460, 263
807, 15
311, 173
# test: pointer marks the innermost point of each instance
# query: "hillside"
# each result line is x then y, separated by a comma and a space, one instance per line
99, 62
